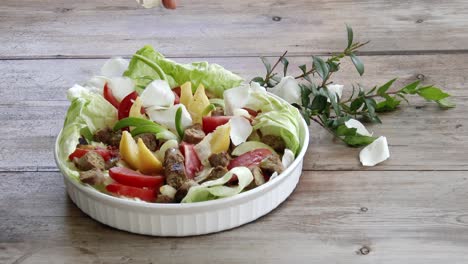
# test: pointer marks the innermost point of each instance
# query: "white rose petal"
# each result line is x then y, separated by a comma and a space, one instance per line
236, 98
166, 117
375, 152
256, 87
288, 158
336, 89
240, 130
114, 67
157, 94
241, 112
288, 89
360, 128
121, 87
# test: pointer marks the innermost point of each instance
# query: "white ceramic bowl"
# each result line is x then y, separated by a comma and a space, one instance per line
187, 219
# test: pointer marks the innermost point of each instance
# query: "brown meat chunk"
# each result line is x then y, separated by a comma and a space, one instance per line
92, 177
216, 173
164, 199
258, 178
174, 168
108, 136
194, 134
149, 139
90, 160
220, 159
277, 143
271, 164
219, 111
183, 190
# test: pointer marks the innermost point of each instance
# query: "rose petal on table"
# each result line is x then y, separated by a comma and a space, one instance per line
375, 152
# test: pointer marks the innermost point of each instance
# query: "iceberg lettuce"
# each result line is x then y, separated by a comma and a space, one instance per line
88, 111
215, 78
215, 189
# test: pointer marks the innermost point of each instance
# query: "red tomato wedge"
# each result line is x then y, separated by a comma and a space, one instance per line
176, 90
110, 97
132, 178
126, 104
250, 158
148, 195
78, 153
210, 123
192, 162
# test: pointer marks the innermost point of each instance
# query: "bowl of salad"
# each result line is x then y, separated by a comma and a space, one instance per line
155, 147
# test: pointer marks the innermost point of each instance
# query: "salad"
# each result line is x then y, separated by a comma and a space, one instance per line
154, 130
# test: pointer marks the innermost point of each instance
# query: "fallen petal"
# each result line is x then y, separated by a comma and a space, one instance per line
375, 152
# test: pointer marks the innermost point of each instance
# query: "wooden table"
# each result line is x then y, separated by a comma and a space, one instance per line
412, 208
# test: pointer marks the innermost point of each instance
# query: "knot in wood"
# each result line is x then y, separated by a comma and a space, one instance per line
276, 18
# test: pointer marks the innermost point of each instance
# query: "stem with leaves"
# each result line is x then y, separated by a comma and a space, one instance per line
319, 99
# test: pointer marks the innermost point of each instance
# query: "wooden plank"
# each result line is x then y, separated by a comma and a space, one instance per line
231, 28
339, 217
421, 136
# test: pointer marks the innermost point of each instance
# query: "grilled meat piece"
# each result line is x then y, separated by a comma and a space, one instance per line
183, 190
90, 160
174, 168
92, 177
277, 143
194, 134
271, 164
149, 139
108, 136
216, 173
220, 159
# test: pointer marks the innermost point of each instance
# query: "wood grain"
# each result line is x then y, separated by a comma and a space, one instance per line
421, 136
400, 217
230, 28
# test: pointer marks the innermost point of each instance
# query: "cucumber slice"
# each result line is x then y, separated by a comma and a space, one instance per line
249, 146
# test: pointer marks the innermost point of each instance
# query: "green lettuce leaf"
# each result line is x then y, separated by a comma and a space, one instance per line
215, 189
215, 78
88, 112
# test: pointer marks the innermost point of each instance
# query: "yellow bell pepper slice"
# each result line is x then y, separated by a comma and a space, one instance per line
129, 150
220, 139
186, 95
198, 104
135, 110
148, 163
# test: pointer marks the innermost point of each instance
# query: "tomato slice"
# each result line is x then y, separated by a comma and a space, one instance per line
210, 123
192, 162
110, 97
176, 90
251, 158
126, 104
148, 195
132, 178
78, 153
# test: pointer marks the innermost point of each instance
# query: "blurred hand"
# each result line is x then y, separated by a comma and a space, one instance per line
169, 4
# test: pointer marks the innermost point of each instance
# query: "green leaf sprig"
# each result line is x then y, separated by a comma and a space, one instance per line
324, 107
